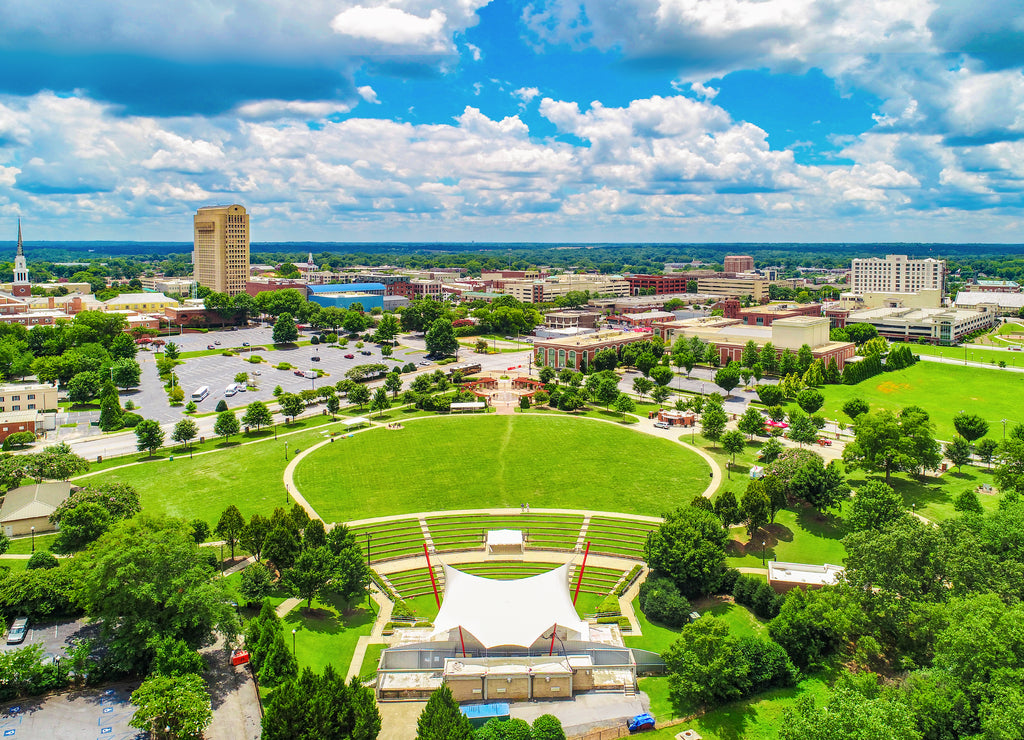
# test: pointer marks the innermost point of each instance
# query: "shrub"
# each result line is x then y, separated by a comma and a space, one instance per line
662, 602
314, 339
130, 420
729, 579
190, 407
41, 560
176, 394
609, 605
743, 590
222, 405
128, 405
628, 580
283, 366
255, 359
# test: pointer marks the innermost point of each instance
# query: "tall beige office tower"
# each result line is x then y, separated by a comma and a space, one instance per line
220, 259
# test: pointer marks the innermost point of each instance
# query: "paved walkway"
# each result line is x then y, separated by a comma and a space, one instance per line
384, 607
626, 602
479, 556
286, 606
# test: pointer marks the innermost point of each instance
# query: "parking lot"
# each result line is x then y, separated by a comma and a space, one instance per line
77, 715
55, 637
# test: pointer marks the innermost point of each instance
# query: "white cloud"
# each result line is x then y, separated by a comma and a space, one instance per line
526, 94
265, 110
392, 26
368, 94
475, 52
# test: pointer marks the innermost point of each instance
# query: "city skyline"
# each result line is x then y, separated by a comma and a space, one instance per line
672, 121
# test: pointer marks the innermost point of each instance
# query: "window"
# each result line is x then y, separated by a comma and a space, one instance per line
31, 396
15, 398
31, 406
15, 407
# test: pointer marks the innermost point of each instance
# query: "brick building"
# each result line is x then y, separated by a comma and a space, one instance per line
578, 352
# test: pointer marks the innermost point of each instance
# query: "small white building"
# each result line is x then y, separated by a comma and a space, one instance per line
784, 577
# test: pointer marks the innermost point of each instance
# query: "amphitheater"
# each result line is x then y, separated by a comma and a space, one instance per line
410, 554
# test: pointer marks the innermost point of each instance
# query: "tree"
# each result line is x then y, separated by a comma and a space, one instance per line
292, 405
777, 497
728, 377
381, 402
755, 506
712, 422
333, 406
958, 452
770, 395
311, 574
802, 429
855, 407
170, 592
689, 547
123, 347
705, 665
822, 486
441, 718
56, 462
810, 400
548, 727
281, 546
387, 329
733, 443
848, 714
148, 436
226, 424
875, 506
659, 394
285, 329
968, 503
83, 387
642, 386
751, 423
970, 426
393, 382
255, 583
359, 395
185, 431
229, 527
353, 574
80, 526
726, 508
180, 703
171, 351
886, 443
440, 338
257, 415
624, 405
254, 535
323, 706
662, 375
605, 359
126, 373
986, 450
200, 531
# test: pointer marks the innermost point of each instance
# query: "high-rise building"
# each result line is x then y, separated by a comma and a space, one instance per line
20, 287
738, 263
896, 274
220, 259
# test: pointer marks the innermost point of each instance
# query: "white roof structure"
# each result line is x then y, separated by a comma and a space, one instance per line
504, 537
508, 612
355, 421
804, 574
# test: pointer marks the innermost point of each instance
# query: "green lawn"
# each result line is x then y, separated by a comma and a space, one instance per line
800, 536
202, 487
370, 660
933, 497
757, 718
655, 638
658, 638
326, 634
23, 545
974, 353
14, 565
941, 390
499, 461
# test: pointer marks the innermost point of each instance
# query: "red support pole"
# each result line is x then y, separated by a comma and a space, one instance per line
580, 579
462, 642
553, 631
433, 583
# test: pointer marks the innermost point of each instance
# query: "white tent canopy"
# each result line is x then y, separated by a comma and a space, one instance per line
508, 612
504, 538
355, 421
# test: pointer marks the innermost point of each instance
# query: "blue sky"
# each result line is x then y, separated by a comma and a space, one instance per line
578, 120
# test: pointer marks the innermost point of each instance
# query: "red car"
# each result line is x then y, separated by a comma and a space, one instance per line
350, 357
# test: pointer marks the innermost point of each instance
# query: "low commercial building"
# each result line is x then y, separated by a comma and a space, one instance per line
932, 325
344, 295
28, 508
994, 286
765, 315
658, 284
735, 287
571, 319
730, 336
556, 286
783, 577
1002, 304
140, 303
578, 352
256, 285
931, 298
161, 284
31, 397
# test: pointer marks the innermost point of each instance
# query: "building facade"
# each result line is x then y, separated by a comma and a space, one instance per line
934, 325
36, 397
737, 287
578, 352
738, 263
897, 273
659, 284
344, 295
20, 286
220, 257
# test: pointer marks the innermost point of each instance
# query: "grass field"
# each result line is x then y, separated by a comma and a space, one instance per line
801, 536
499, 461
941, 390
326, 634
974, 353
23, 545
201, 488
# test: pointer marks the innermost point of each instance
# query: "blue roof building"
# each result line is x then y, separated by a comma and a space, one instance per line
343, 295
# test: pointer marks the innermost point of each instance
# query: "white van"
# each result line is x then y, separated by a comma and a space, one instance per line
230, 390
200, 393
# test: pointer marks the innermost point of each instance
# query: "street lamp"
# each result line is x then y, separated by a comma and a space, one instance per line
293, 643
763, 543
33, 539
285, 450
1004, 429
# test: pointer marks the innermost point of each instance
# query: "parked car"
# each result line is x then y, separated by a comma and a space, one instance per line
210, 346
662, 425
825, 442
217, 342
365, 352
350, 357
641, 722
314, 358
424, 362
245, 344
297, 372
18, 631
230, 390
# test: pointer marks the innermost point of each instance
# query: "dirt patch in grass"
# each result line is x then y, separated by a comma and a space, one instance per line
891, 387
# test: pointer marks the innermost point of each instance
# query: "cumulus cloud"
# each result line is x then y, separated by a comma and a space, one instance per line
368, 94
392, 26
526, 94
651, 167
265, 110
